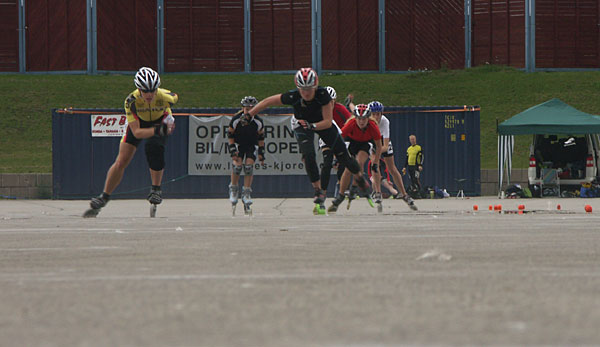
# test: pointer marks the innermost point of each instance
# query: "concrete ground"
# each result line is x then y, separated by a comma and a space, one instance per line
196, 276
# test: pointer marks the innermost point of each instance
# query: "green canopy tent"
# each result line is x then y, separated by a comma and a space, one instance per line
551, 117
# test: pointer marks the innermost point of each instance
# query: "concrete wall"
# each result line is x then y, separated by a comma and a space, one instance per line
25, 186
39, 186
489, 180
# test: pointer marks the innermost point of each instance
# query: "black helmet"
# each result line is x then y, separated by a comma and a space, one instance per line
249, 101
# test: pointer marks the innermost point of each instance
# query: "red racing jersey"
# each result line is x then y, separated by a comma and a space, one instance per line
353, 132
340, 114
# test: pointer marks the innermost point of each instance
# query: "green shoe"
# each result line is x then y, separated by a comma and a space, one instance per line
319, 209
370, 201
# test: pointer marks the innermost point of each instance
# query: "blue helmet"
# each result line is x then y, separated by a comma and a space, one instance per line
376, 106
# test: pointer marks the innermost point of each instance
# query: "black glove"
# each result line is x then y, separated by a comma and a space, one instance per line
307, 125
374, 167
335, 163
161, 130
261, 153
233, 150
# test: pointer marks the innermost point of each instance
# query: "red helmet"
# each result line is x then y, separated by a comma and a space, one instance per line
306, 78
362, 111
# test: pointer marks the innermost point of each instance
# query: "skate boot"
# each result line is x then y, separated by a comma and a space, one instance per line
378, 201
234, 191
96, 205
247, 200
319, 202
154, 198
365, 190
352, 194
410, 202
336, 203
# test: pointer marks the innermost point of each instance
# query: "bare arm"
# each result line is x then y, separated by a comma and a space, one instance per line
141, 133
273, 100
378, 150
327, 111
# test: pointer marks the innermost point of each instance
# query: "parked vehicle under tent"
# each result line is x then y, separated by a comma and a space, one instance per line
552, 117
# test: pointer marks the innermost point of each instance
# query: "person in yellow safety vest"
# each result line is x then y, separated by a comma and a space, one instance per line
414, 163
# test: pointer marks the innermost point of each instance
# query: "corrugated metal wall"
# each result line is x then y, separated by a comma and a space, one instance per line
56, 35
350, 34
450, 142
126, 34
498, 35
80, 162
566, 33
204, 35
281, 34
209, 35
9, 45
424, 34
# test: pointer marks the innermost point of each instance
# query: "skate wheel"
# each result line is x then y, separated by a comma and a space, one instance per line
379, 208
233, 209
91, 213
152, 210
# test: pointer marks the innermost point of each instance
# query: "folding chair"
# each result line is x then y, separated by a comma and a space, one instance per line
550, 180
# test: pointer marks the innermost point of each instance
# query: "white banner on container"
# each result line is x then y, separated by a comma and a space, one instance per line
108, 125
208, 152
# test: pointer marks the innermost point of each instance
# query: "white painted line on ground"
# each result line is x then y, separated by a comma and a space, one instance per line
42, 278
94, 248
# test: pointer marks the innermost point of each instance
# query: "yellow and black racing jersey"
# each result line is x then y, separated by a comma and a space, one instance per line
414, 155
136, 108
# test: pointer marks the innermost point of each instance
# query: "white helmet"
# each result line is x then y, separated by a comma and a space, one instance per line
306, 78
249, 101
362, 111
331, 92
146, 79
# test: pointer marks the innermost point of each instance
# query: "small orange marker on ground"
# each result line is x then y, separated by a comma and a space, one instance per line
491, 207
521, 207
558, 207
475, 207
588, 208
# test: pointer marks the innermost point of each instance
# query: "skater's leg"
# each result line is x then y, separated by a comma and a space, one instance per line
306, 145
156, 177
393, 170
327, 165
117, 169
236, 170
389, 161
345, 181
248, 172
113, 177
155, 155
389, 186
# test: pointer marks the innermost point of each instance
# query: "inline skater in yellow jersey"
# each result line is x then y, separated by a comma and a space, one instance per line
149, 117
